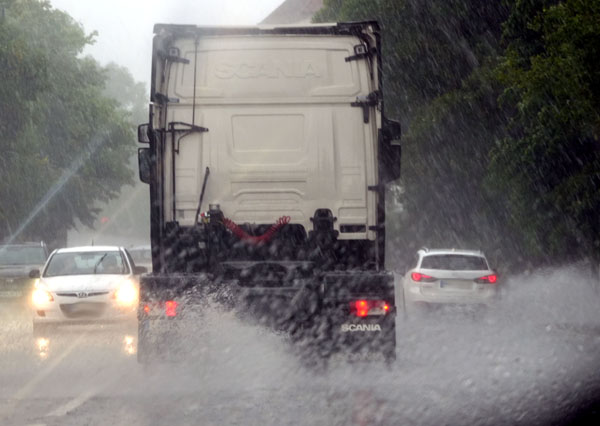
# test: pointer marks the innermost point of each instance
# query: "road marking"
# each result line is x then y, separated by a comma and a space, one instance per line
73, 404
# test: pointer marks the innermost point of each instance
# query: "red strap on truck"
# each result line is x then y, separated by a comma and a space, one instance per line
266, 237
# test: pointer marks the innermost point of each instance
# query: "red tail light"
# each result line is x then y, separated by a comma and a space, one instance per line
147, 309
417, 276
491, 279
171, 308
363, 308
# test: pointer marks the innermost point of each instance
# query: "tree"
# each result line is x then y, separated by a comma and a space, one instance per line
66, 146
549, 164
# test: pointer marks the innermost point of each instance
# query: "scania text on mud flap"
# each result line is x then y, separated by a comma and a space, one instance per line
360, 327
267, 158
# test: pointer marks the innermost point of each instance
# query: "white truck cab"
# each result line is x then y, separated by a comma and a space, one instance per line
268, 154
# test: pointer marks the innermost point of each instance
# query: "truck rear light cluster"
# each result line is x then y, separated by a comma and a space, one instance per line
417, 276
170, 308
364, 308
488, 279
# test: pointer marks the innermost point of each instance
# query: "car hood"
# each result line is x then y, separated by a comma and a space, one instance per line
17, 270
84, 282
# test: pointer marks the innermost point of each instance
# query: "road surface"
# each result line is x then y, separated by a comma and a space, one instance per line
533, 359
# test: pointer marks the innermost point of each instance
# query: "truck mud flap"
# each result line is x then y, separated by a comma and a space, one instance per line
360, 311
172, 306
277, 294
319, 313
170, 314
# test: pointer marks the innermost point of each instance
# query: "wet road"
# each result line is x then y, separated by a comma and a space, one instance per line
533, 359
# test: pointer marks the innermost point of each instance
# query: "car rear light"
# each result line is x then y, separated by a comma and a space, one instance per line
417, 276
363, 308
489, 279
168, 308
171, 308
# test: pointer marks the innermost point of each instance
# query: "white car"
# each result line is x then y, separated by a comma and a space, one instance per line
85, 284
449, 277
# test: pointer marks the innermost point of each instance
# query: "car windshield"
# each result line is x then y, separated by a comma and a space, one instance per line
86, 263
22, 255
454, 262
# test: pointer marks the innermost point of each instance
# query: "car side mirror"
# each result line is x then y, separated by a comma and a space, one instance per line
145, 164
34, 273
143, 130
138, 270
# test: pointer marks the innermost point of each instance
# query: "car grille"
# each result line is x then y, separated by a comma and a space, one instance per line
76, 294
83, 309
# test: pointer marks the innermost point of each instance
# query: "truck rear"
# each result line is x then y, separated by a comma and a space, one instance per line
267, 159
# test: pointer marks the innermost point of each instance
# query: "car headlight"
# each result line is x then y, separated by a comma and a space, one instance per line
126, 294
41, 297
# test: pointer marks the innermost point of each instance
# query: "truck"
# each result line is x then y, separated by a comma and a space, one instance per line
267, 156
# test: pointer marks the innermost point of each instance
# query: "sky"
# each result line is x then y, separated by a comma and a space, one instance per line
125, 26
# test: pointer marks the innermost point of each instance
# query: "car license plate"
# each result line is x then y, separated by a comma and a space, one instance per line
10, 293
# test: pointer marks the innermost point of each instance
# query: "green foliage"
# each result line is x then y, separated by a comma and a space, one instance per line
64, 145
549, 165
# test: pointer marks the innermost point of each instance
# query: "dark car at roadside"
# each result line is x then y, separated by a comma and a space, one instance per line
16, 261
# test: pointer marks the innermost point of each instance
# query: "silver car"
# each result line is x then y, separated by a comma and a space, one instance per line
448, 276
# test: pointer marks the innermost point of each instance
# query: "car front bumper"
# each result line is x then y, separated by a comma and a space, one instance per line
74, 310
